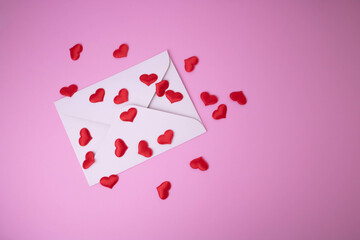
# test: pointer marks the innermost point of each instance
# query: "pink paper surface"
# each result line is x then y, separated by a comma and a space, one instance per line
284, 166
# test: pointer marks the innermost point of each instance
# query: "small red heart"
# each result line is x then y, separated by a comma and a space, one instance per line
122, 97
109, 181
238, 97
98, 96
89, 160
220, 112
121, 51
208, 99
199, 163
163, 190
69, 91
161, 87
190, 63
148, 79
166, 138
75, 51
85, 137
120, 147
143, 149
173, 96
128, 115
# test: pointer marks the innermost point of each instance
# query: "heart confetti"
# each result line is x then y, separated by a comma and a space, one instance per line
109, 181
166, 138
122, 97
129, 115
85, 137
143, 149
148, 79
75, 51
121, 51
238, 97
98, 96
120, 147
69, 91
161, 87
199, 163
173, 96
163, 190
89, 160
220, 112
208, 99
190, 63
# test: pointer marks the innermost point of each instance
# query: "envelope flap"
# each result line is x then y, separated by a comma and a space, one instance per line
106, 111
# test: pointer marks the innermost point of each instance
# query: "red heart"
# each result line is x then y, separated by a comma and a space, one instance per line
173, 96
199, 163
161, 87
120, 147
109, 181
190, 63
89, 160
69, 91
121, 51
98, 96
163, 190
208, 99
148, 79
220, 112
166, 138
128, 115
75, 51
143, 149
122, 97
238, 97
85, 137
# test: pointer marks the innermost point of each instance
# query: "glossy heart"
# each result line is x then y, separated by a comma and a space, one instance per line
143, 149
69, 91
122, 97
220, 112
238, 97
190, 63
89, 160
75, 51
85, 137
208, 99
148, 79
98, 96
166, 138
163, 190
161, 87
120, 147
109, 181
173, 96
121, 51
128, 115
199, 163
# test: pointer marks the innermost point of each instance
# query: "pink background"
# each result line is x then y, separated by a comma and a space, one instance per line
284, 166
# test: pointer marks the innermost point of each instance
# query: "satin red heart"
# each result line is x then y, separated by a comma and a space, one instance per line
238, 97
121, 51
120, 147
208, 99
144, 150
89, 160
109, 181
161, 87
163, 190
148, 79
190, 63
128, 115
220, 112
98, 96
173, 96
199, 163
75, 51
69, 91
166, 138
122, 97
85, 137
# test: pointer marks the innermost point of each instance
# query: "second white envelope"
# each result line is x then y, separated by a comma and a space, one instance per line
154, 116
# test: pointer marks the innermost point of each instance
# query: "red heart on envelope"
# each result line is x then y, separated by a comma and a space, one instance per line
190, 63
89, 160
161, 87
120, 147
121, 51
75, 51
109, 181
208, 99
163, 190
128, 115
238, 97
122, 97
98, 96
148, 79
220, 112
69, 91
85, 137
173, 96
143, 149
199, 163
166, 138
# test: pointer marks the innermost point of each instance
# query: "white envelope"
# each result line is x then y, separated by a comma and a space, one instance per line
154, 116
